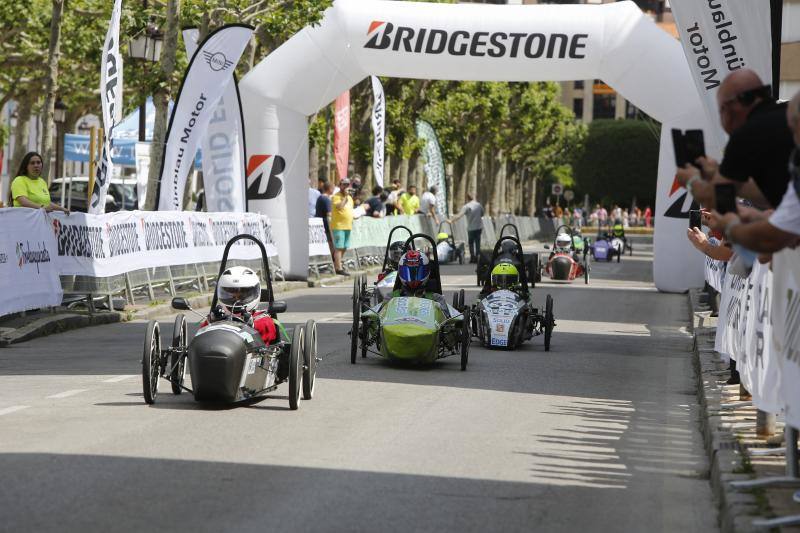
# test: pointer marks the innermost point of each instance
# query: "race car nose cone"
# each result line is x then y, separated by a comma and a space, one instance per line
216, 362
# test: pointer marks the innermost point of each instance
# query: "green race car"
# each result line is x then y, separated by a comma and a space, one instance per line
412, 328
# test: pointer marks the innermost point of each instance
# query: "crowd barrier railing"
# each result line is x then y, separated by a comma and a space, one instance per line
759, 328
134, 256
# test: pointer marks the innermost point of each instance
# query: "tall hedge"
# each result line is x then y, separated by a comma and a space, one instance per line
620, 162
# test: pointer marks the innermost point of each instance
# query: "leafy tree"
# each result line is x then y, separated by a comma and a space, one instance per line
619, 162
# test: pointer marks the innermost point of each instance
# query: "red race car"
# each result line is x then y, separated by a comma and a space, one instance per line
565, 263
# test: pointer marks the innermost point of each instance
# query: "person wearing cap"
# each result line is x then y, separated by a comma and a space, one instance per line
341, 223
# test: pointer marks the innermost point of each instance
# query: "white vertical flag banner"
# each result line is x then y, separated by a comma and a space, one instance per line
720, 37
378, 129
434, 163
111, 103
207, 76
223, 146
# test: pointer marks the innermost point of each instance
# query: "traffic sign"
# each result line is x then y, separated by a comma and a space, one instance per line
569, 195
557, 189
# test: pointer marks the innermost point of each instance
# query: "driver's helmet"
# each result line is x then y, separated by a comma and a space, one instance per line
508, 248
396, 251
239, 290
563, 242
505, 276
619, 231
442, 236
414, 270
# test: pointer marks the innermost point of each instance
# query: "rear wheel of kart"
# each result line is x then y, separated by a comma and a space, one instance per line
309, 359
461, 256
295, 367
465, 339
356, 293
619, 254
460, 306
178, 359
586, 268
355, 333
630, 250
151, 362
549, 322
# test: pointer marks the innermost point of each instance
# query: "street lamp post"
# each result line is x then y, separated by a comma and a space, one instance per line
145, 46
59, 116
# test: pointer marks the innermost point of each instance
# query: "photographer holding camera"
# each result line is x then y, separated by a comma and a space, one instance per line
759, 145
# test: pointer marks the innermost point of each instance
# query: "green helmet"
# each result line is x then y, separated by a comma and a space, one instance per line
505, 276
619, 231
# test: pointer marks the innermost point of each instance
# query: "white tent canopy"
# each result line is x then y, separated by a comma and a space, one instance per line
357, 38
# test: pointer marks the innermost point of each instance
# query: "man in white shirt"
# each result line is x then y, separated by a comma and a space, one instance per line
427, 204
313, 195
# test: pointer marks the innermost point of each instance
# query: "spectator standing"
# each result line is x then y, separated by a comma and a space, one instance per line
409, 201
473, 210
313, 195
602, 215
341, 223
375, 207
427, 204
558, 215
577, 218
323, 210
393, 199
648, 216
29, 189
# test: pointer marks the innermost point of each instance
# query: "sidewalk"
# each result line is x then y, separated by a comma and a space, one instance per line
22, 327
728, 425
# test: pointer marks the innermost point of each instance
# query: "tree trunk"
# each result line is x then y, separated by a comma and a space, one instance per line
449, 177
52, 88
21, 133
403, 170
161, 102
313, 164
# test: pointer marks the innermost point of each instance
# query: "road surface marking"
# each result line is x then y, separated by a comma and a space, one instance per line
118, 379
13, 409
67, 394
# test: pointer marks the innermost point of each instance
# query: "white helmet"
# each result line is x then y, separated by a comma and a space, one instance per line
563, 241
239, 290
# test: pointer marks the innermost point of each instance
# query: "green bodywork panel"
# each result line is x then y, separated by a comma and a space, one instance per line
578, 242
409, 328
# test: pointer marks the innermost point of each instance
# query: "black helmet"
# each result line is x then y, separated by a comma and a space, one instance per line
508, 247
396, 251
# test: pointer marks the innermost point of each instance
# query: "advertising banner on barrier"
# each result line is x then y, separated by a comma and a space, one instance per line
786, 328
222, 146
28, 261
111, 104
207, 76
758, 367
715, 273
719, 38
317, 240
120, 242
727, 341
378, 128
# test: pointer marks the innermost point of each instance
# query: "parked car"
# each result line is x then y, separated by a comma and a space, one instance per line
72, 193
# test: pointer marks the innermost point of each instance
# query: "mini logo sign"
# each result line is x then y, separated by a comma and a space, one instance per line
264, 174
217, 60
3, 258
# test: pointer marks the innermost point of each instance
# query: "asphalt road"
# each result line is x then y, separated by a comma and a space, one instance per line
599, 434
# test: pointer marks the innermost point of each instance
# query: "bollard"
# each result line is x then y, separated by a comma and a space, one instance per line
765, 424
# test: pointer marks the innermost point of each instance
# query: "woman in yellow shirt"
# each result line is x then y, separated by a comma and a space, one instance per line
29, 189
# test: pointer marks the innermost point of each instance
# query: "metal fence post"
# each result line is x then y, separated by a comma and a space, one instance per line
765, 424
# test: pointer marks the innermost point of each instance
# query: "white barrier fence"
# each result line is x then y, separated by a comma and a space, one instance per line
759, 328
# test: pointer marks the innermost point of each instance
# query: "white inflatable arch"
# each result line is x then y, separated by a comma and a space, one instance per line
357, 38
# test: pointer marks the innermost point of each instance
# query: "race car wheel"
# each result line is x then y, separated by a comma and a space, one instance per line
460, 305
309, 359
295, 367
461, 256
355, 333
356, 294
465, 339
586, 269
619, 255
549, 322
151, 362
178, 360
630, 250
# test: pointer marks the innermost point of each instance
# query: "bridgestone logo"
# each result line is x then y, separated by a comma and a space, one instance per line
164, 236
123, 239
80, 241
251, 228
477, 44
